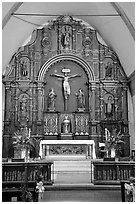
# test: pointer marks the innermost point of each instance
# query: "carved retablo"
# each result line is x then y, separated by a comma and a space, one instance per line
65, 81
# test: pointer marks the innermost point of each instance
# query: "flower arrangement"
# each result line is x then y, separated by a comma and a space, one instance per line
23, 141
112, 141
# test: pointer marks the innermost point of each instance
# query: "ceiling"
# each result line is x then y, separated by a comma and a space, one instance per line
118, 31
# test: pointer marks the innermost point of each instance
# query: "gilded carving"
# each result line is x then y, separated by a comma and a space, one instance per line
46, 42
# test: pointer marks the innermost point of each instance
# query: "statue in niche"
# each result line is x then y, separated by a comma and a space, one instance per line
51, 100
65, 38
109, 107
80, 100
23, 66
66, 125
109, 69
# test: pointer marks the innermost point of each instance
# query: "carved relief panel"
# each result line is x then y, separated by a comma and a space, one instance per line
50, 124
81, 124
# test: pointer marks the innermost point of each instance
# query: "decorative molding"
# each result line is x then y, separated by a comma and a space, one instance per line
67, 149
62, 57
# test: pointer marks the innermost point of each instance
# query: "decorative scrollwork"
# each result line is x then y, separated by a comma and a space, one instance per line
46, 42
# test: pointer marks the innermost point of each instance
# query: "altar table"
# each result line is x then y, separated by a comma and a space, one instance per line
83, 148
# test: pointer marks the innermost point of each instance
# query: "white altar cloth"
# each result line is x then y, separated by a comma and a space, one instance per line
70, 142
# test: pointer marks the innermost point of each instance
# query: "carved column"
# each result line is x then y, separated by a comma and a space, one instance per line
31, 107
40, 101
16, 109
116, 105
92, 100
115, 70
7, 102
124, 105
101, 103
31, 69
101, 70
17, 69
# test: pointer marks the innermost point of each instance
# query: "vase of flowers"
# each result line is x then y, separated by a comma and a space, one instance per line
115, 141
112, 142
23, 142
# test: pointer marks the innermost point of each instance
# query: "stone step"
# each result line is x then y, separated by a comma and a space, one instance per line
72, 166
72, 172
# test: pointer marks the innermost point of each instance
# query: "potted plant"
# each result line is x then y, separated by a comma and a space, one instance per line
23, 142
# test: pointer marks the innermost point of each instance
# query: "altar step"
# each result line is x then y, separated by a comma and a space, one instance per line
81, 186
72, 172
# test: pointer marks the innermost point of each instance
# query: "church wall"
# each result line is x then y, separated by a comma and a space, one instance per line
131, 114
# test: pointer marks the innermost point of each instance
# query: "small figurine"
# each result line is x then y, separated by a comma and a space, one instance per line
40, 189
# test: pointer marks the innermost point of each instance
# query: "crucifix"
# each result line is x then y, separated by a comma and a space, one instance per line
66, 85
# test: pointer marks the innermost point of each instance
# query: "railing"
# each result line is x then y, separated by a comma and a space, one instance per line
25, 172
113, 172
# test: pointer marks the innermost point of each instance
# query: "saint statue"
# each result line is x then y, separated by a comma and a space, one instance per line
108, 70
51, 100
65, 38
80, 100
23, 66
109, 107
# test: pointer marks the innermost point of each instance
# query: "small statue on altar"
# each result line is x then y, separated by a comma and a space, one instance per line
51, 100
109, 107
66, 125
80, 100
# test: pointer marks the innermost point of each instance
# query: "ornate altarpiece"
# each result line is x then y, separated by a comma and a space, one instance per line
62, 59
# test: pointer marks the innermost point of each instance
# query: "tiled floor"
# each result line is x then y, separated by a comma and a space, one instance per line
82, 196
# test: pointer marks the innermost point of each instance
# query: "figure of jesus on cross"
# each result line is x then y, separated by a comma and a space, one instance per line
66, 85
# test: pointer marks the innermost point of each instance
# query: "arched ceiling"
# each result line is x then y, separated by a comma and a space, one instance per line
115, 22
